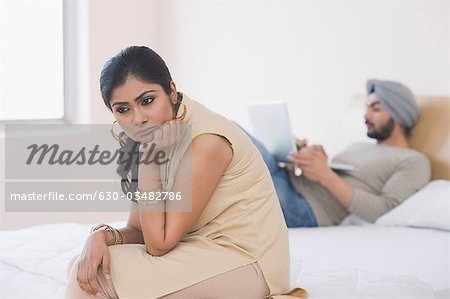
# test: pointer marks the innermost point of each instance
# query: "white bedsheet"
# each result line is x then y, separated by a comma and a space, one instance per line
37, 258
422, 253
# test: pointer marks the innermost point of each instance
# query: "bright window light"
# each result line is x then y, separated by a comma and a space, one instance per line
31, 60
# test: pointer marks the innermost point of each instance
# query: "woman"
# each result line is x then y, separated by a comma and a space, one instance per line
232, 243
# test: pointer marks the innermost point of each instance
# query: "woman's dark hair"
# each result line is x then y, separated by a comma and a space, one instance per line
139, 61
146, 65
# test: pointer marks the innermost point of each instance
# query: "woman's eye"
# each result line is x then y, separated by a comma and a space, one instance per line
147, 101
122, 109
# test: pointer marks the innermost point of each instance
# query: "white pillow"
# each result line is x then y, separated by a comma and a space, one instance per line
429, 207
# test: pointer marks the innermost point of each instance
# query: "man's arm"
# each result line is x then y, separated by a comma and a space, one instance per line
412, 175
314, 164
338, 187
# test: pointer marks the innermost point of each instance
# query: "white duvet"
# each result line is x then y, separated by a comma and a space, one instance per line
33, 264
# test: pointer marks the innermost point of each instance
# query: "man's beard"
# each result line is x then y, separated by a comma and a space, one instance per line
384, 132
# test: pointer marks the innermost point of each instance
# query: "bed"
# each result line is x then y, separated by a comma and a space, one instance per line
348, 261
405, 254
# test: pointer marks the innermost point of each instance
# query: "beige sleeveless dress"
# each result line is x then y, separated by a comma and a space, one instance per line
241, 224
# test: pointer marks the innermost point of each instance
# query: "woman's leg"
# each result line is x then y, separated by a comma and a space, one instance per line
296, 210
246, 282
73, 290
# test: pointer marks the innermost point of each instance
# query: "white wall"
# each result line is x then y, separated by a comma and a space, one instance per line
114, 25
316, 55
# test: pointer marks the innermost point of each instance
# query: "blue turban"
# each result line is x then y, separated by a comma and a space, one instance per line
397, 99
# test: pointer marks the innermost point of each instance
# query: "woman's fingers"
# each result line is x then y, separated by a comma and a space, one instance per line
166, 135
82, 278
92, 280
170, 134
149, 136
105, 266
159, 135
87, 279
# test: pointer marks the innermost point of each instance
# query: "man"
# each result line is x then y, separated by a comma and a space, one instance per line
384, 174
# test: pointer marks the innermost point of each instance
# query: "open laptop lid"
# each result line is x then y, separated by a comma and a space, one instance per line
271, 125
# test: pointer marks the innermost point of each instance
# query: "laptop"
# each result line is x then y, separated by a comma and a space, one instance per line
271, 126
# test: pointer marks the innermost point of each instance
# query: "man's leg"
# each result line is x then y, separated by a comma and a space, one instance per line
296, 210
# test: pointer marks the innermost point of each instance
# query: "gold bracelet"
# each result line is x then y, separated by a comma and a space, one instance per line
107, 228
116, 234
119, 236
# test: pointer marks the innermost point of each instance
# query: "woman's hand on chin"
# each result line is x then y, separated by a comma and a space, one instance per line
161, 137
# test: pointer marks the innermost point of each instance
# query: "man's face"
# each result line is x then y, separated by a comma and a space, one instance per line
378, 121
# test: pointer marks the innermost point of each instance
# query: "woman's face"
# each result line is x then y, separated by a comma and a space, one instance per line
140, 107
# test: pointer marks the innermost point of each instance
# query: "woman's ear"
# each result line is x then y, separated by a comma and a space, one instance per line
173, 92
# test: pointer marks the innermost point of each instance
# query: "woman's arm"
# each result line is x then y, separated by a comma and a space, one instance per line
131, 233
211, 155
95, 252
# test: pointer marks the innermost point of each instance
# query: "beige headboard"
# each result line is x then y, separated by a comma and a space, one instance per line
431, 135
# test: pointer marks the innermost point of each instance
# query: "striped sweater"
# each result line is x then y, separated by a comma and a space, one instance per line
383, 177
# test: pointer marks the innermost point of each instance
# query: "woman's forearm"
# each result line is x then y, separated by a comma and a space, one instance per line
155, 232
130, 235
154, 221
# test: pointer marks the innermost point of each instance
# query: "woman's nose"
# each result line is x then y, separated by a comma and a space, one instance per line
139, 117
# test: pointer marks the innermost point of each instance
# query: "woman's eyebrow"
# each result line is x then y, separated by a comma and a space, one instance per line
136, 99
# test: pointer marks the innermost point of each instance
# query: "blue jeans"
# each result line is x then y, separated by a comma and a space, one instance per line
296, 210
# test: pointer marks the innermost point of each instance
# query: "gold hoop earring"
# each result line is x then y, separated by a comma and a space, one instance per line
114, 135
183, 115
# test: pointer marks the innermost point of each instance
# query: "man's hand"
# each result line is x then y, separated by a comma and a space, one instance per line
313, 162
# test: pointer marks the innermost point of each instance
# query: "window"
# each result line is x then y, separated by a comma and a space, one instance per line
31, 60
